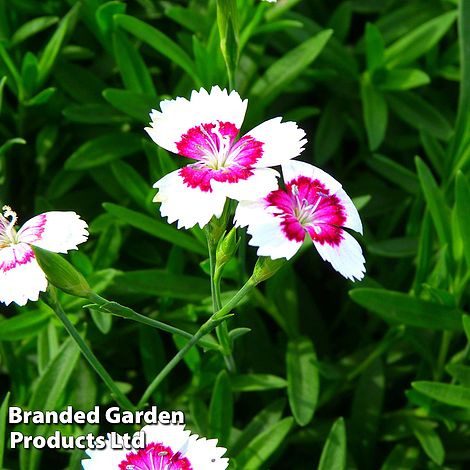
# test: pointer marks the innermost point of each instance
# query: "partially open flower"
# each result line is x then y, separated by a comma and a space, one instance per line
312, 203
21, 278
206, 129
167, 447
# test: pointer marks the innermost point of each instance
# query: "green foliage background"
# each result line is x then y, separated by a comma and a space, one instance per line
330, 375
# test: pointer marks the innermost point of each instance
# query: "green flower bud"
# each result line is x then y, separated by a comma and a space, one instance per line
226, 248
265, 268
61, 274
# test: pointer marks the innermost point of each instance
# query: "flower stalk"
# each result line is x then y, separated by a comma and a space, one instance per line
51, 299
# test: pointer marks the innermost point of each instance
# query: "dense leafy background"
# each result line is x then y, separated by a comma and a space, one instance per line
332, 375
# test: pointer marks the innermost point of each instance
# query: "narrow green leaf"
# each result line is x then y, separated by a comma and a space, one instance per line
257, 452
159, 283
41, 98
436, 203
158, 41
375, 47
93, 114
3, 426
462, 207
303, 380
375, 112
134, 104
429, 439
460, 373
14, 77
466, 326
329, 132
256, 382
333, 456
24, 325
221, 409
396, 173
9, 143
47, 393
2, 86
280, 74
105, 18
454, 395
260, 423
227, 20
131, 66
156, 228
103, 149
419, 114
417, 42
53, 47
402, 247
403, 79
401, 457
32, 27
397, 307
132, 182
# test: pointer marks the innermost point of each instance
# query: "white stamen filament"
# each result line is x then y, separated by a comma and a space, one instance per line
217, 158
9, 233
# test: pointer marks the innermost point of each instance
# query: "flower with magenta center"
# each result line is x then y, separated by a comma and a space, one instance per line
206, 129
167, 447
312, 203
21, 278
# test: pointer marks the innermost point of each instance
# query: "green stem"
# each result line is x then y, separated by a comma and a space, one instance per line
222, 329
120, 398
125, 312
443, 351
205, 329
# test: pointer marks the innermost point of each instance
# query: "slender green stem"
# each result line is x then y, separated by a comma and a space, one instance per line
125, 312
205, 329
443, 351
120, 398
222, 329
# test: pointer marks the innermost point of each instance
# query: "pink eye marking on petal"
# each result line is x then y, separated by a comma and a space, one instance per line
307, 206
24, 258
155, 456
219, 157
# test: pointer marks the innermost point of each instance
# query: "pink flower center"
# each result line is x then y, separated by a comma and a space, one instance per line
307, 206
155, 456
219, 157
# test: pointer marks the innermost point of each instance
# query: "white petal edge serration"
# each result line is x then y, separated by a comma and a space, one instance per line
61, 231
24, 281
346, 258
282, 141
179, 115
265, 230
203, 454
189, 206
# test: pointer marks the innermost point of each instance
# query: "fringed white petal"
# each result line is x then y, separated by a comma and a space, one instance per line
282, 141
189, 206
293, 170
263, 181
179, 115
21, 278
54, 231
204, 454
346, 258
265, 230
353, 221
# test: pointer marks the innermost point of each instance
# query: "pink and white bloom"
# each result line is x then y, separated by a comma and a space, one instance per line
21, 278
206, 129
312, 203
167, 447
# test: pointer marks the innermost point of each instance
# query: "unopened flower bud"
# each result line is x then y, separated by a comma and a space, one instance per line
61, 273
265, 268
226, 248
